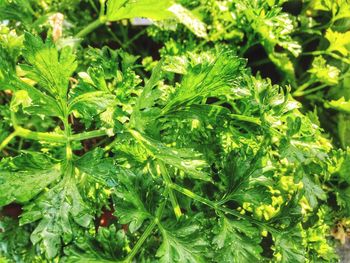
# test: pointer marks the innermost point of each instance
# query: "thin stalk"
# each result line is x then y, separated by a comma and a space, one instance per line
91, 27
259, 62
168, 181
302, 88
110, 146
314, 53
87, 135
93, 5
148, 230
194, 196
333, 55
7, 140
67, 130
141, 240
307, 92
135, 37
115, 38
246, 118
20, 145
325, 52
217, 207
102, 7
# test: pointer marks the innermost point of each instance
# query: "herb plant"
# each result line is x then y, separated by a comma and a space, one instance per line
113, 150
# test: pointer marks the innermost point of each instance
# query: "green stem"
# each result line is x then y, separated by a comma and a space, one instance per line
91, 27
259, 62
194, 196
7, 140
93, 5
149, 229
326, 52
54, 137
67, 130
141, 240
135, 37
40, 136
115, 38
87, 135
314, 53
168, 182
343, 59
246, 118
102, 7
307, 92
110, 145
301, 88
217, 207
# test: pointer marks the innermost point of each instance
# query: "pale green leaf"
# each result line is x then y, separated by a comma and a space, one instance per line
323, 72
50, 68
126, 9
187, 18
339, 42
341, 105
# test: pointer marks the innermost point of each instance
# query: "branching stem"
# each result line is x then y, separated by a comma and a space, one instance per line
149, 229
218, 207
166, 177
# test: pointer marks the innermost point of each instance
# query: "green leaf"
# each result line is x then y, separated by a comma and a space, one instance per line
237, 241
25, 176
284, 63
289, 247
7, 69
126, 9
343, 200
209, 75
274, 29
50, 68
338, 41
182, 242
144, 113
134, 197
15, 242
184, 159
323, 72
60, 210
20, 97
9, 40
17, 10
96, 101
340, 104
187, 18
96, 166
344, 165
103, 247
312, 191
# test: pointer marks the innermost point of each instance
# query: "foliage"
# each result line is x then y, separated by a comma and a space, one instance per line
191, 154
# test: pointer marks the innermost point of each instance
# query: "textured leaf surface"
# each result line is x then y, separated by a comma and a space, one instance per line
23, 177
237, 241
